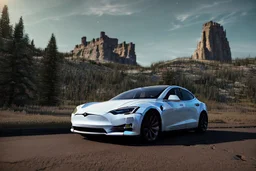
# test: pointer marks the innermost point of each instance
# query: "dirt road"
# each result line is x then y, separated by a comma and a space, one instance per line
215, 150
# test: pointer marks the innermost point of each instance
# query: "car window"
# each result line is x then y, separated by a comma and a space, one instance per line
128, 95
173, 91
186, 95
141, 93
178, 93
170, 92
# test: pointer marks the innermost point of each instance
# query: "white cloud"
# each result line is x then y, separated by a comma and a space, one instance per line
92, 8
243, 13
183, 17
214, 4
53, 18
223, 14
182, 25
110, 9
231, 17
174, 27
113, 7
202, 9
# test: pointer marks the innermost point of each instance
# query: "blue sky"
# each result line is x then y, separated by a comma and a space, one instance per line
161, 29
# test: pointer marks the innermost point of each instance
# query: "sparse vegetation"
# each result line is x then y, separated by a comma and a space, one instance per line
31, 76
211, 80
10, 119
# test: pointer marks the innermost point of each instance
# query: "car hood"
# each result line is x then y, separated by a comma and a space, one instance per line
105, 107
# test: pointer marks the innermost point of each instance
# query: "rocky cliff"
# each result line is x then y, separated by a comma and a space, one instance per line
213, 44
106, 49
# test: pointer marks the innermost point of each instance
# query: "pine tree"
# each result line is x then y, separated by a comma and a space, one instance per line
19, 30
5, 23
49, 75
1, 35
16, 70
32, 43
1, 40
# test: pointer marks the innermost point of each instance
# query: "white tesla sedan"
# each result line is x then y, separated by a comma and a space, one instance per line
143, 112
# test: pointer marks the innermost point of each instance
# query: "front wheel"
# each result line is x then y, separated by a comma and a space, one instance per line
150, 127
203, 123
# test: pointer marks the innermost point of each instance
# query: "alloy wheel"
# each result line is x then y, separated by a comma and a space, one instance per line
203, 123
151, 127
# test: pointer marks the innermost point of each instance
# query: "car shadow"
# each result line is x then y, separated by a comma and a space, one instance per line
186, 138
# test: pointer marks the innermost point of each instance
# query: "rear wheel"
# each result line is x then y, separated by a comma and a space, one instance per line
150, 128
203, 123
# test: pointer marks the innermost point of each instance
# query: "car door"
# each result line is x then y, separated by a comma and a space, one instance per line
173, 112
190, 108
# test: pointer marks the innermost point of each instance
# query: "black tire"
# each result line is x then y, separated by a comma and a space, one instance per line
150, 127
203, 123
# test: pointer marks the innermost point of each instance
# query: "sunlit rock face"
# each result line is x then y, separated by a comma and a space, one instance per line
106, 49
213, 44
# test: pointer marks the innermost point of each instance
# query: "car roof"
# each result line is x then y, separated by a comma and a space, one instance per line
155, 86
169, 87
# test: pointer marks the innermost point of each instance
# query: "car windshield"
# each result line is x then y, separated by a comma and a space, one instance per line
141, 93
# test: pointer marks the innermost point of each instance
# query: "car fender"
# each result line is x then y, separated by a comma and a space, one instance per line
148, 106
202, 108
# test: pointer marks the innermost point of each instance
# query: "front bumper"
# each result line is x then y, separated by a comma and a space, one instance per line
107, 124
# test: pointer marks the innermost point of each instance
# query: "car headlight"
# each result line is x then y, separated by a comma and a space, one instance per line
75, 110
125, 110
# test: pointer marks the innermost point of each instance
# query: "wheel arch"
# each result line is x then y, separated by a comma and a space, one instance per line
158, 114
203, 112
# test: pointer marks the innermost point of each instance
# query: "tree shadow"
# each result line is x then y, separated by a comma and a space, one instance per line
186, 138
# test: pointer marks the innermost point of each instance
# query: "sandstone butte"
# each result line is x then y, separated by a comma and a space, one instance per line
213, 44
105, 49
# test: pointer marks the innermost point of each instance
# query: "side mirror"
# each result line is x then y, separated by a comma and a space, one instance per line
173, 98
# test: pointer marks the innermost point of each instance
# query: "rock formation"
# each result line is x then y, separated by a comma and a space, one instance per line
214, 44
106, 49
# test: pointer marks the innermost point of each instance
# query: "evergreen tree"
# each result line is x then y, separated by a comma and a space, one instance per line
6, 29
19, 30
17, 81
32, 43
1, 41
1, 35
49, 75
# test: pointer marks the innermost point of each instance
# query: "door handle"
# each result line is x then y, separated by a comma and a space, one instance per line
196, 104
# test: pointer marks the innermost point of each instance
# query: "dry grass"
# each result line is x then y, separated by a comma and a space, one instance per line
10, 119
243, 112
239, 107
41, 117
46, 110
232, 117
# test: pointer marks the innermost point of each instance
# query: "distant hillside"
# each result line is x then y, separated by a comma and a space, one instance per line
84, 80
89, 81
212, 80
209, 80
